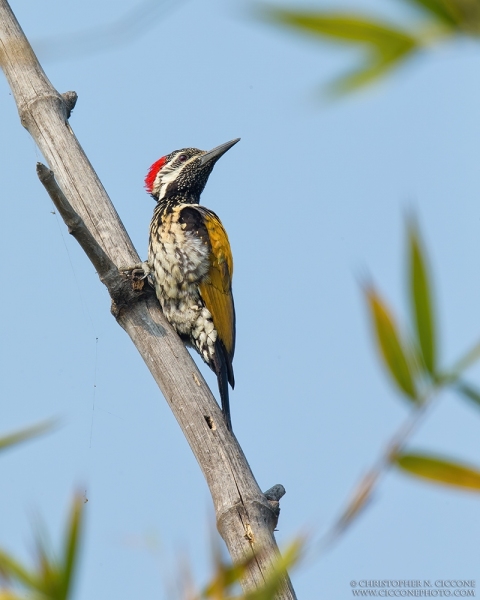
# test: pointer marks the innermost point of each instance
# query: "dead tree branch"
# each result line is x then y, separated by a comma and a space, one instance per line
245, 517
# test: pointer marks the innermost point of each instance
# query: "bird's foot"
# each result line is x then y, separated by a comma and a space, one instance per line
138, 274
139, 271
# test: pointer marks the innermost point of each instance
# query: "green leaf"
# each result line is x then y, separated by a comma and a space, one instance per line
51, 579
342, 26
444, 10
468, 359
421, 300
379, 65
275, 579
387, 45
25, 434
227, 574
452, 376
360, 499
71, 546
6, 595
440, 470
12, 569
389, 344
469, 392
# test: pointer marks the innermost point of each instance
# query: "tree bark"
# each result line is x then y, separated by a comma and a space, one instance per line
245, 517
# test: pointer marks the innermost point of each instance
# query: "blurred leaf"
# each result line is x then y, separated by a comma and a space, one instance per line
225, 577
440, 470
25, 434
390, 346
466, 361
71, 546
378, 67
358, 502
444, 10
228, 575
466, 14
342, 26
469, 392
12, 569
52, 580
421, 300
387, 45
275, 580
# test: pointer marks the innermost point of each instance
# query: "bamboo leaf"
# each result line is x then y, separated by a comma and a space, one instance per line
275, 580
421, 300
469, 392
228, 575
25, 434
12, 569
48, 569
52, 578
387, 45
373, 70
360, 499
390, 346
440, 470
444, 10
450, 377
342, 26
71, 547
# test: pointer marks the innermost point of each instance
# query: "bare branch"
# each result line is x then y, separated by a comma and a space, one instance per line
245, 518
119, 287
76, 226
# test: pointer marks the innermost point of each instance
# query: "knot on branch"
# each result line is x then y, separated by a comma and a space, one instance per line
70, 99
275, 493
273, 496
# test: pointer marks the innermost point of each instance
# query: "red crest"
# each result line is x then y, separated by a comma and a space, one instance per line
152, 173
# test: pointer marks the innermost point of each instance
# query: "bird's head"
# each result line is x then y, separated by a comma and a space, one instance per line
182, 174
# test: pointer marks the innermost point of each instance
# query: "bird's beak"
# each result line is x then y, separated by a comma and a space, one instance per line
217, 152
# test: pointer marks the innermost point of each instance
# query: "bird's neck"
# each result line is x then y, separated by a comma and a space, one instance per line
167, 204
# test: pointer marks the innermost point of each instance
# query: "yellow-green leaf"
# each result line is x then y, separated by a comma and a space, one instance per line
421, 300
360, 499
228, 575
469, 392
12, 569
443, 10
71, 546
390, 345
440, 470
51, 578
387, 44
276, 578
25, 434
342, 26
6, 595
374, 69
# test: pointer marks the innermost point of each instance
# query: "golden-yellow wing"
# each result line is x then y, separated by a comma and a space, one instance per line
216, 288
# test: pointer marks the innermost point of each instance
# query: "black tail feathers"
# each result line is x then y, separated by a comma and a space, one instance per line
222, 366
222, 377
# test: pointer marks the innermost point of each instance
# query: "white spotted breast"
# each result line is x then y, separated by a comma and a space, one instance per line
179, 260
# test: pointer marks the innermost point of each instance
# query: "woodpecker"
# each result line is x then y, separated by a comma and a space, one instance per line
190, 261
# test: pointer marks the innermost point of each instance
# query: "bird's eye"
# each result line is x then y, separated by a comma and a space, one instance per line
182, 157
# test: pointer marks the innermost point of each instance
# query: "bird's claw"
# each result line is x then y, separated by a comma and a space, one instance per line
138, 274
138, 271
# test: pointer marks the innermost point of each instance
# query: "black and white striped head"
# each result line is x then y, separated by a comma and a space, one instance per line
182, 174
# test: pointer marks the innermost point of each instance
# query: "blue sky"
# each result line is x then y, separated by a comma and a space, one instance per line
313, 198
